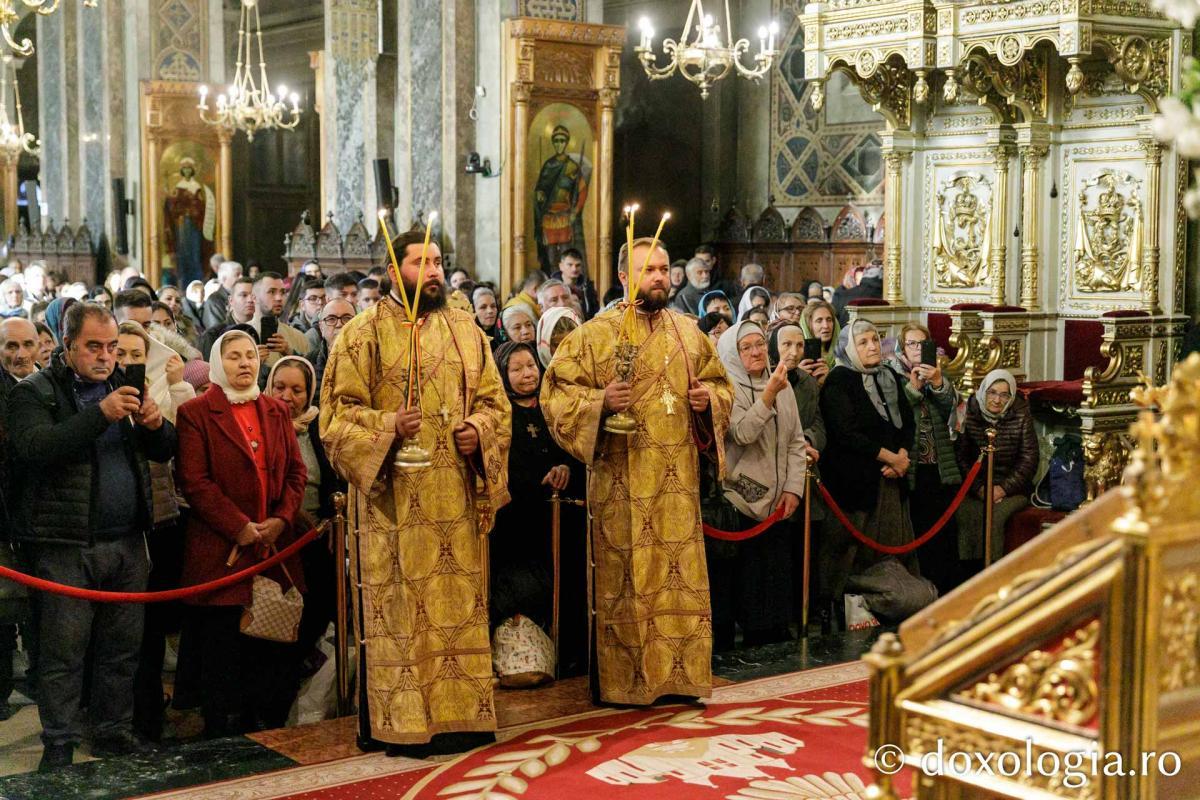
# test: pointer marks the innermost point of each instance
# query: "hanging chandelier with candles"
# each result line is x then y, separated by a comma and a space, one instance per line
10, 16
249, 105
706, 59
14, 140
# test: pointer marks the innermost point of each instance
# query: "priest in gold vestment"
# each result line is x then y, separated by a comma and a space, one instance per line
653, 627
419, 547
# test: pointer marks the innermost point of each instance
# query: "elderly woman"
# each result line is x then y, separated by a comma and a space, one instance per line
788, 307
487, 314
46, 344
12, 299
293, 381
818, 321
758, 315
520, 323
242, 473
870, 428
936, 477
552, 328
520, 549
764, 473
995, 405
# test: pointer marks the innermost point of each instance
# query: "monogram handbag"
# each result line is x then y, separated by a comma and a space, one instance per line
273, 614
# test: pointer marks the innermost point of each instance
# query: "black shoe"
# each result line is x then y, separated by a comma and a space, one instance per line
124, 743
417, 751
445, 744
56, 756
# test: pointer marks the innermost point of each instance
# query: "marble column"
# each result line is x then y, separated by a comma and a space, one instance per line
52, 114
348, 108
93, 124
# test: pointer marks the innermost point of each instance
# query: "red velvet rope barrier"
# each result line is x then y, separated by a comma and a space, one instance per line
915, 543
749, 533
164, 596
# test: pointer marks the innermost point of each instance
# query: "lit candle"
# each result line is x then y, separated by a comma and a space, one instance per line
387, 237
774, 29
421, 275
295, 98
653, 246
762, 40
644, 27
203, 96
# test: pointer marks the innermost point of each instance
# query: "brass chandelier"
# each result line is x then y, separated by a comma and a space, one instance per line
14, 139
705, 59
9, 17
249, 105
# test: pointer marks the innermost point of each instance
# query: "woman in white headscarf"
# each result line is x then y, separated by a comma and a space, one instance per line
552, 328
869, 427
240, 468
995, 404
754, 296
751, 581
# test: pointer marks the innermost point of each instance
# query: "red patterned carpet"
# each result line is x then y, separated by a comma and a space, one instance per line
793, 737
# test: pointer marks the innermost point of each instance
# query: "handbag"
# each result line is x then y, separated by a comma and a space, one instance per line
273, 614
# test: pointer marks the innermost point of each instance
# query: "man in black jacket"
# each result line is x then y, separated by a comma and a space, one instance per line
81, 441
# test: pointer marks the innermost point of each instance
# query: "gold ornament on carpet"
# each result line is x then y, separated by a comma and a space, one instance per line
411, 455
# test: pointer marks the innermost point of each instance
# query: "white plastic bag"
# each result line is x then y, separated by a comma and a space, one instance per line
858, 616
317, 699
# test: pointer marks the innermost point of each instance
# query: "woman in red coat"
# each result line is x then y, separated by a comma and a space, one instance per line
242, 474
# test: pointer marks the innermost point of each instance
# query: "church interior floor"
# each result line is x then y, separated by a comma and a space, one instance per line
189, 763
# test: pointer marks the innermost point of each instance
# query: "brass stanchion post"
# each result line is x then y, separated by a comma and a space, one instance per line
987, 498
806, 575
556, 555
341, 650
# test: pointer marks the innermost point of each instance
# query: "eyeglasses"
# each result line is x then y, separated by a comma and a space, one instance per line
337, 322
750, 347
913, 343
788, 309
999, 395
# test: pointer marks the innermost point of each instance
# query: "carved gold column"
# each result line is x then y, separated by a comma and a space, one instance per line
225, 204
1151, 224
894, 194
999, 250
1031, 158
8, 177
520, 90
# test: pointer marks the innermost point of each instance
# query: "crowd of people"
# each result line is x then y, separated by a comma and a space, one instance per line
212, 458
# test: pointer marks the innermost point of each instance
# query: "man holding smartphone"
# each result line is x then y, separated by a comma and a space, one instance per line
276, 338
81, 439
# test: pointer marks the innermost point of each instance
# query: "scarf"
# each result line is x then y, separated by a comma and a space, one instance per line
830, 360
995, 376
552, 319
727, 349
216, 370
773, 349
504, 354
55, 313
702, 306
748, 300
879, 381
310, 411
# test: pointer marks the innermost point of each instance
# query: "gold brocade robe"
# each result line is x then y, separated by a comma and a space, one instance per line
653, 622
425, 607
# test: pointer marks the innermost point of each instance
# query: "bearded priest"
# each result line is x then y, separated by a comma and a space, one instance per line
419, 554
653, 627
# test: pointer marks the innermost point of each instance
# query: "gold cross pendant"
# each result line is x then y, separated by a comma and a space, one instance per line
668, 400
445, 412
532, 429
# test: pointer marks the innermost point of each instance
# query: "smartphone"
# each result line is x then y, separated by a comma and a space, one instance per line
929, 353
270, 327
812, 349
135, 376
